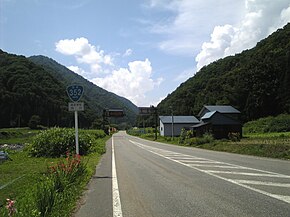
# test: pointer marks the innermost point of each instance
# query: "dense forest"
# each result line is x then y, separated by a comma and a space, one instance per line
256, 81
36, 87
26, 90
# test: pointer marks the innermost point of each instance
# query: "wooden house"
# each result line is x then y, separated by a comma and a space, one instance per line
219, 121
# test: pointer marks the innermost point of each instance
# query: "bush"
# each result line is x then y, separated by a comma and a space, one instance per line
206, 138
34, 122
56, 142
182, 136
235, 137
281, 123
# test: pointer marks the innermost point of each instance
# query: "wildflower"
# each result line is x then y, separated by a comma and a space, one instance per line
10, 207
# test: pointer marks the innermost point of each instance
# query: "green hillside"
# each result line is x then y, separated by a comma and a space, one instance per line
26, 90
96, 98
37, 86
256, 81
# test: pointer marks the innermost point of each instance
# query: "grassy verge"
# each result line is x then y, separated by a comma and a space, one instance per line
24, 178
272, 145
17, 135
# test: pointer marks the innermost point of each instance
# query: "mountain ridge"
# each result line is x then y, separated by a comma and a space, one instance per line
37, 86
255, 81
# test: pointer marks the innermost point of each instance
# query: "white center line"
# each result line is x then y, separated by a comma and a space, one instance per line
117, 209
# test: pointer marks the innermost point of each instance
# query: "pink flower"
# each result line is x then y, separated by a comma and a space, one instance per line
10, 207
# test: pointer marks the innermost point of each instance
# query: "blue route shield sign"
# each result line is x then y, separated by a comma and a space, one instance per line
75, 92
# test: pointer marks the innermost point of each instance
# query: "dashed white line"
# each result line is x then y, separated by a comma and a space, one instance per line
250, 182
117, 209
215, 166
247, 174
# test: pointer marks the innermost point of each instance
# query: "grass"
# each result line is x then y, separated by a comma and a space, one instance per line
16, 135
23, 173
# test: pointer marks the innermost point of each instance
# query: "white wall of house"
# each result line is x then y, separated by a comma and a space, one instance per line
161, 128
166, 129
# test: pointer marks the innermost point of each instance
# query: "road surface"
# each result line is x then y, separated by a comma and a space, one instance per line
143, 178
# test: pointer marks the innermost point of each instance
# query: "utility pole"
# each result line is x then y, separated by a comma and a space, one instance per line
172, 123
156, 119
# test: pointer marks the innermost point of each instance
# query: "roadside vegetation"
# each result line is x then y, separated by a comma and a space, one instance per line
265, 137
43, 177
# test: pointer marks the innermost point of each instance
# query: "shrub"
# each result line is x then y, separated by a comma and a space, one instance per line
281, 123
235, 137
206, 138
56, 142
182, 136
34, 122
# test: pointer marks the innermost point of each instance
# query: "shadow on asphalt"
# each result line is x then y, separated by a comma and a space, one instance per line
101, 177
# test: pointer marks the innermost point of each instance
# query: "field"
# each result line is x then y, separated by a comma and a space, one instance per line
23, 172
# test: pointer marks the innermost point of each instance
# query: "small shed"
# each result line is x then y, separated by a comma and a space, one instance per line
219, 121
174, 124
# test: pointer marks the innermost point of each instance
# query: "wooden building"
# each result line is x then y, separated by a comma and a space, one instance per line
219, 121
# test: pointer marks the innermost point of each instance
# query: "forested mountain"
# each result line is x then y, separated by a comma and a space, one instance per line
256, 81
95, 97
37, 86
27, 89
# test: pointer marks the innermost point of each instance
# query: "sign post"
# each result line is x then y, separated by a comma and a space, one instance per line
75, 93
150, 111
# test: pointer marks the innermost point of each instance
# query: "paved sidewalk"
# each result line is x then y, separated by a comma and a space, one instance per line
97, 200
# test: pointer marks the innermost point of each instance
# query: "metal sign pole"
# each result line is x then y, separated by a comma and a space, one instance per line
77, 133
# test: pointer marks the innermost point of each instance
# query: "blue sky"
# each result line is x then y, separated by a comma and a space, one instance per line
142, 50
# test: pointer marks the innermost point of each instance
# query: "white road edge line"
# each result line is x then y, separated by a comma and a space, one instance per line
117, 209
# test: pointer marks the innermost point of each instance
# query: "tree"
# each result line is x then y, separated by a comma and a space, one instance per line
34, 122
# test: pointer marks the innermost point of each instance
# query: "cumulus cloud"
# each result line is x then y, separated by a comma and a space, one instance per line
77, 70
261, 18
85, 53
132, 82
184, 28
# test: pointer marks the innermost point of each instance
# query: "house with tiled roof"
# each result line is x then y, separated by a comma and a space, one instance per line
219, 121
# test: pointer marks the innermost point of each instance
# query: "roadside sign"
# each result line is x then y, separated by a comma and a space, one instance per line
114, 113
75, 92
76, 106
145, 110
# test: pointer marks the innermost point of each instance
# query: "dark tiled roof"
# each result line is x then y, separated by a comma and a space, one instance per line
222, 109
179, 119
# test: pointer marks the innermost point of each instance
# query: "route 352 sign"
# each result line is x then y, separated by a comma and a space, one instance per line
75, 92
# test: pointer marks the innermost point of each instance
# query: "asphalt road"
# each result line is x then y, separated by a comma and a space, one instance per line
159, 180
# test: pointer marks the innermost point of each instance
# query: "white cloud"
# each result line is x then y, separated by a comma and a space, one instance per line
132, 82
85, 53
128, 52
189, 21
220, 40
261, 18
77, 70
